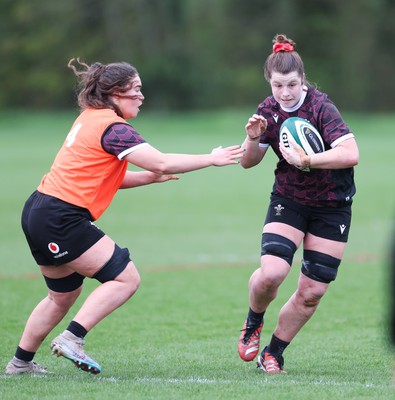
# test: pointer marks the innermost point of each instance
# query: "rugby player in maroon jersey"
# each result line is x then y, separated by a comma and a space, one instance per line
309, 209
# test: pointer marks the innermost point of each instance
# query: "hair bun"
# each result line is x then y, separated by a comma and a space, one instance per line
282, 47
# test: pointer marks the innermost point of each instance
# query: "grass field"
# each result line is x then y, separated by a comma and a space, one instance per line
196, 242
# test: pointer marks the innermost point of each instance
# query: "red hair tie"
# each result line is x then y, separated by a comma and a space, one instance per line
282, 47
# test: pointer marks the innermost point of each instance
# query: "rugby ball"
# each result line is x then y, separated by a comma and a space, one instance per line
302, 132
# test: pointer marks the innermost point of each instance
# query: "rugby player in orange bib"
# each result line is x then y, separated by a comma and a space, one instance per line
58, 218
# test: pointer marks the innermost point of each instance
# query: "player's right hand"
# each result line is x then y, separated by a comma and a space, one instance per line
227, 155
256, 125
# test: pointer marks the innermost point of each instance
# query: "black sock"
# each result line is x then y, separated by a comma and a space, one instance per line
276, 347
24, 355
77, 329
253, 318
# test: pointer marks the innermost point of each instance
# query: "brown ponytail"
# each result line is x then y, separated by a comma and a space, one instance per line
98, 82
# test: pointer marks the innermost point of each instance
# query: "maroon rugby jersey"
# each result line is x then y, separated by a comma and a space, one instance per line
319, 187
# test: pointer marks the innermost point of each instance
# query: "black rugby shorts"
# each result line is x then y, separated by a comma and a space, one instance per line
331, 223
57, 232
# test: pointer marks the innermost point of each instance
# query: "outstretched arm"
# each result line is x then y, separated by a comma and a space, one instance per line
151, 159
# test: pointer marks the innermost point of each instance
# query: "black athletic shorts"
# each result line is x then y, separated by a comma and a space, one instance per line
326, 222
57, 232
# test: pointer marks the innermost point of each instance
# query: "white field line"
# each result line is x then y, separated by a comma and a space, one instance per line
205, 381
268, 381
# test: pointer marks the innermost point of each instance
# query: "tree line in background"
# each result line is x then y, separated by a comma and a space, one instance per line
196, 54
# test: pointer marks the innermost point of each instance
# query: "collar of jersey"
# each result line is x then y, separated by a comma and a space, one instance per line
300, 102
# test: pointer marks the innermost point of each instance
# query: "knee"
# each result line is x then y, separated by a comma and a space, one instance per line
268, 279
309, 293
131, 279
272, 281
64, 300
311, 299
119, 268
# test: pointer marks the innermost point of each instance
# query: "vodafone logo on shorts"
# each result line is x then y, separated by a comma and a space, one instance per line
53, 247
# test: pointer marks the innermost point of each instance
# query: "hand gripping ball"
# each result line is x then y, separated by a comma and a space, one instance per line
302, 132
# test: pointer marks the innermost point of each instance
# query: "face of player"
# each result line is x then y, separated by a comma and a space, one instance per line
287, 89
129, 102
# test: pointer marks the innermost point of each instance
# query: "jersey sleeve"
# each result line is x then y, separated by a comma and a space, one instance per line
332, 126
121, 139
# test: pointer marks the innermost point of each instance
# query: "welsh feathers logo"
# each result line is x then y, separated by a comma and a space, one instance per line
278, 209
53, 247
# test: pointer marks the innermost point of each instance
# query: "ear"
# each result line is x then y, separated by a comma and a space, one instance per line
115, 100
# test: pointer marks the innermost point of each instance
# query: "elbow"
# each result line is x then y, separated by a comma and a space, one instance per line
161, 168
354, 159
352, 153
349, 162
166, 164
247, 164
243, 164
160, 171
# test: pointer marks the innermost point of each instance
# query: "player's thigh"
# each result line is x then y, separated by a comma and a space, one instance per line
56, 271
328, 230
286, 230
103, 261
93, 259
279, 243
327, 246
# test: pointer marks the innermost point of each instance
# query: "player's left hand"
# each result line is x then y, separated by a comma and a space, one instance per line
158, 178
294, 154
